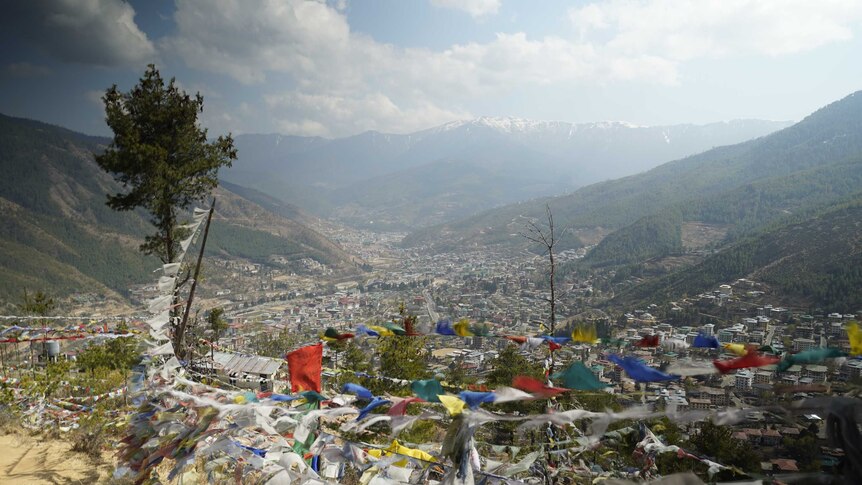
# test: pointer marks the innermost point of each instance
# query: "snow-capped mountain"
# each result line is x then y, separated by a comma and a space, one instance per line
508, 159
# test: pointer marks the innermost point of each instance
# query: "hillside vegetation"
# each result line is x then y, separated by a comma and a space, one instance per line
59, 236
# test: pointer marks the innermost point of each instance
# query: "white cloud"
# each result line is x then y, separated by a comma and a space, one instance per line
682, 30
26, 69
476, 8
100, 32
342, 82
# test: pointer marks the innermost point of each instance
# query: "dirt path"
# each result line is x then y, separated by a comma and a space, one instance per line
32, 460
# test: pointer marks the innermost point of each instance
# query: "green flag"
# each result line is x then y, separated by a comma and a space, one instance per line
427, 389
577, 376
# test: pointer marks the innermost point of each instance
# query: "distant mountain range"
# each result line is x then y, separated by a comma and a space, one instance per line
460, 168
59, 236
773, 199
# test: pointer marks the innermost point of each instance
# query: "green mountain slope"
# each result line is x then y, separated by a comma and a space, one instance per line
57, 234
816, 261
715, 186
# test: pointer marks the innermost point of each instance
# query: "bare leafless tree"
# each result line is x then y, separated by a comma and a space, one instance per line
547, 238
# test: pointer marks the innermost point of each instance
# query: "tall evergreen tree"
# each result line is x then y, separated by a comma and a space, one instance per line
162, 158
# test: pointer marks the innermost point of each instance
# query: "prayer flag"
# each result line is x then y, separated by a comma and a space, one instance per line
357, 390
535, 387
462, 328
304, 366
444, 327
809, 357
584, 335
703, 341
737, 349
332, 335
400, 407
855, 335
428, 390
751, 359
647, 341
452, 404
375, 403
577, 376
639, 371
474, 399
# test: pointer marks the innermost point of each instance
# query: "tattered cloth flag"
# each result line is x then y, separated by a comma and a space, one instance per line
647, 341
444, 327
809, 357
332, 335
739, 350
584, 335
577, 376
706, 342
357, 390
305, 365
751, 359
855, 336
639, 371
535, 387
428, 390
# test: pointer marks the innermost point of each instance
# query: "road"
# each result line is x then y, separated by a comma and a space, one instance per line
431, 307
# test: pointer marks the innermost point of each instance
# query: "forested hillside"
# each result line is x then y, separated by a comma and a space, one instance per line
59, 236
817, 261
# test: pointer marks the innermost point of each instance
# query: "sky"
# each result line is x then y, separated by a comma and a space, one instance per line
340, 67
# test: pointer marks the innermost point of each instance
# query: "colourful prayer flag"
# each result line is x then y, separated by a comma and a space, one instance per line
454, 405
703, 341
855, 335
647, 341
584, 335
304, 366
462, 328
639, 371
535, 387
428, 390
809, 357
751, 359
577, 376
736, 349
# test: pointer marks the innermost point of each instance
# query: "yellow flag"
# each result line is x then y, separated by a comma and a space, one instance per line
383, 331
738, 349
454, 405
855, 335
584, 335
462, 328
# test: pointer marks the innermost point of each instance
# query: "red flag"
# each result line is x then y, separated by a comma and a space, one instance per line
517, 339
751, 359
648, 341
535, 387
304, 365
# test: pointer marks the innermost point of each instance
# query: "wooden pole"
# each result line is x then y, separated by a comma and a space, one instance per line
178, 338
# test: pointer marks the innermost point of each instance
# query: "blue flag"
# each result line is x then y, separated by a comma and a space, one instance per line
705, 342
375, 403
639, 371
357, 390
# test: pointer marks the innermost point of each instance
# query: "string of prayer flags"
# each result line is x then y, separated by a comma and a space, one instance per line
428, 390
809, 357
705, 342
577, 376
751, 359
535, 387
584, 335
639, 371
305, 365
647, 341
